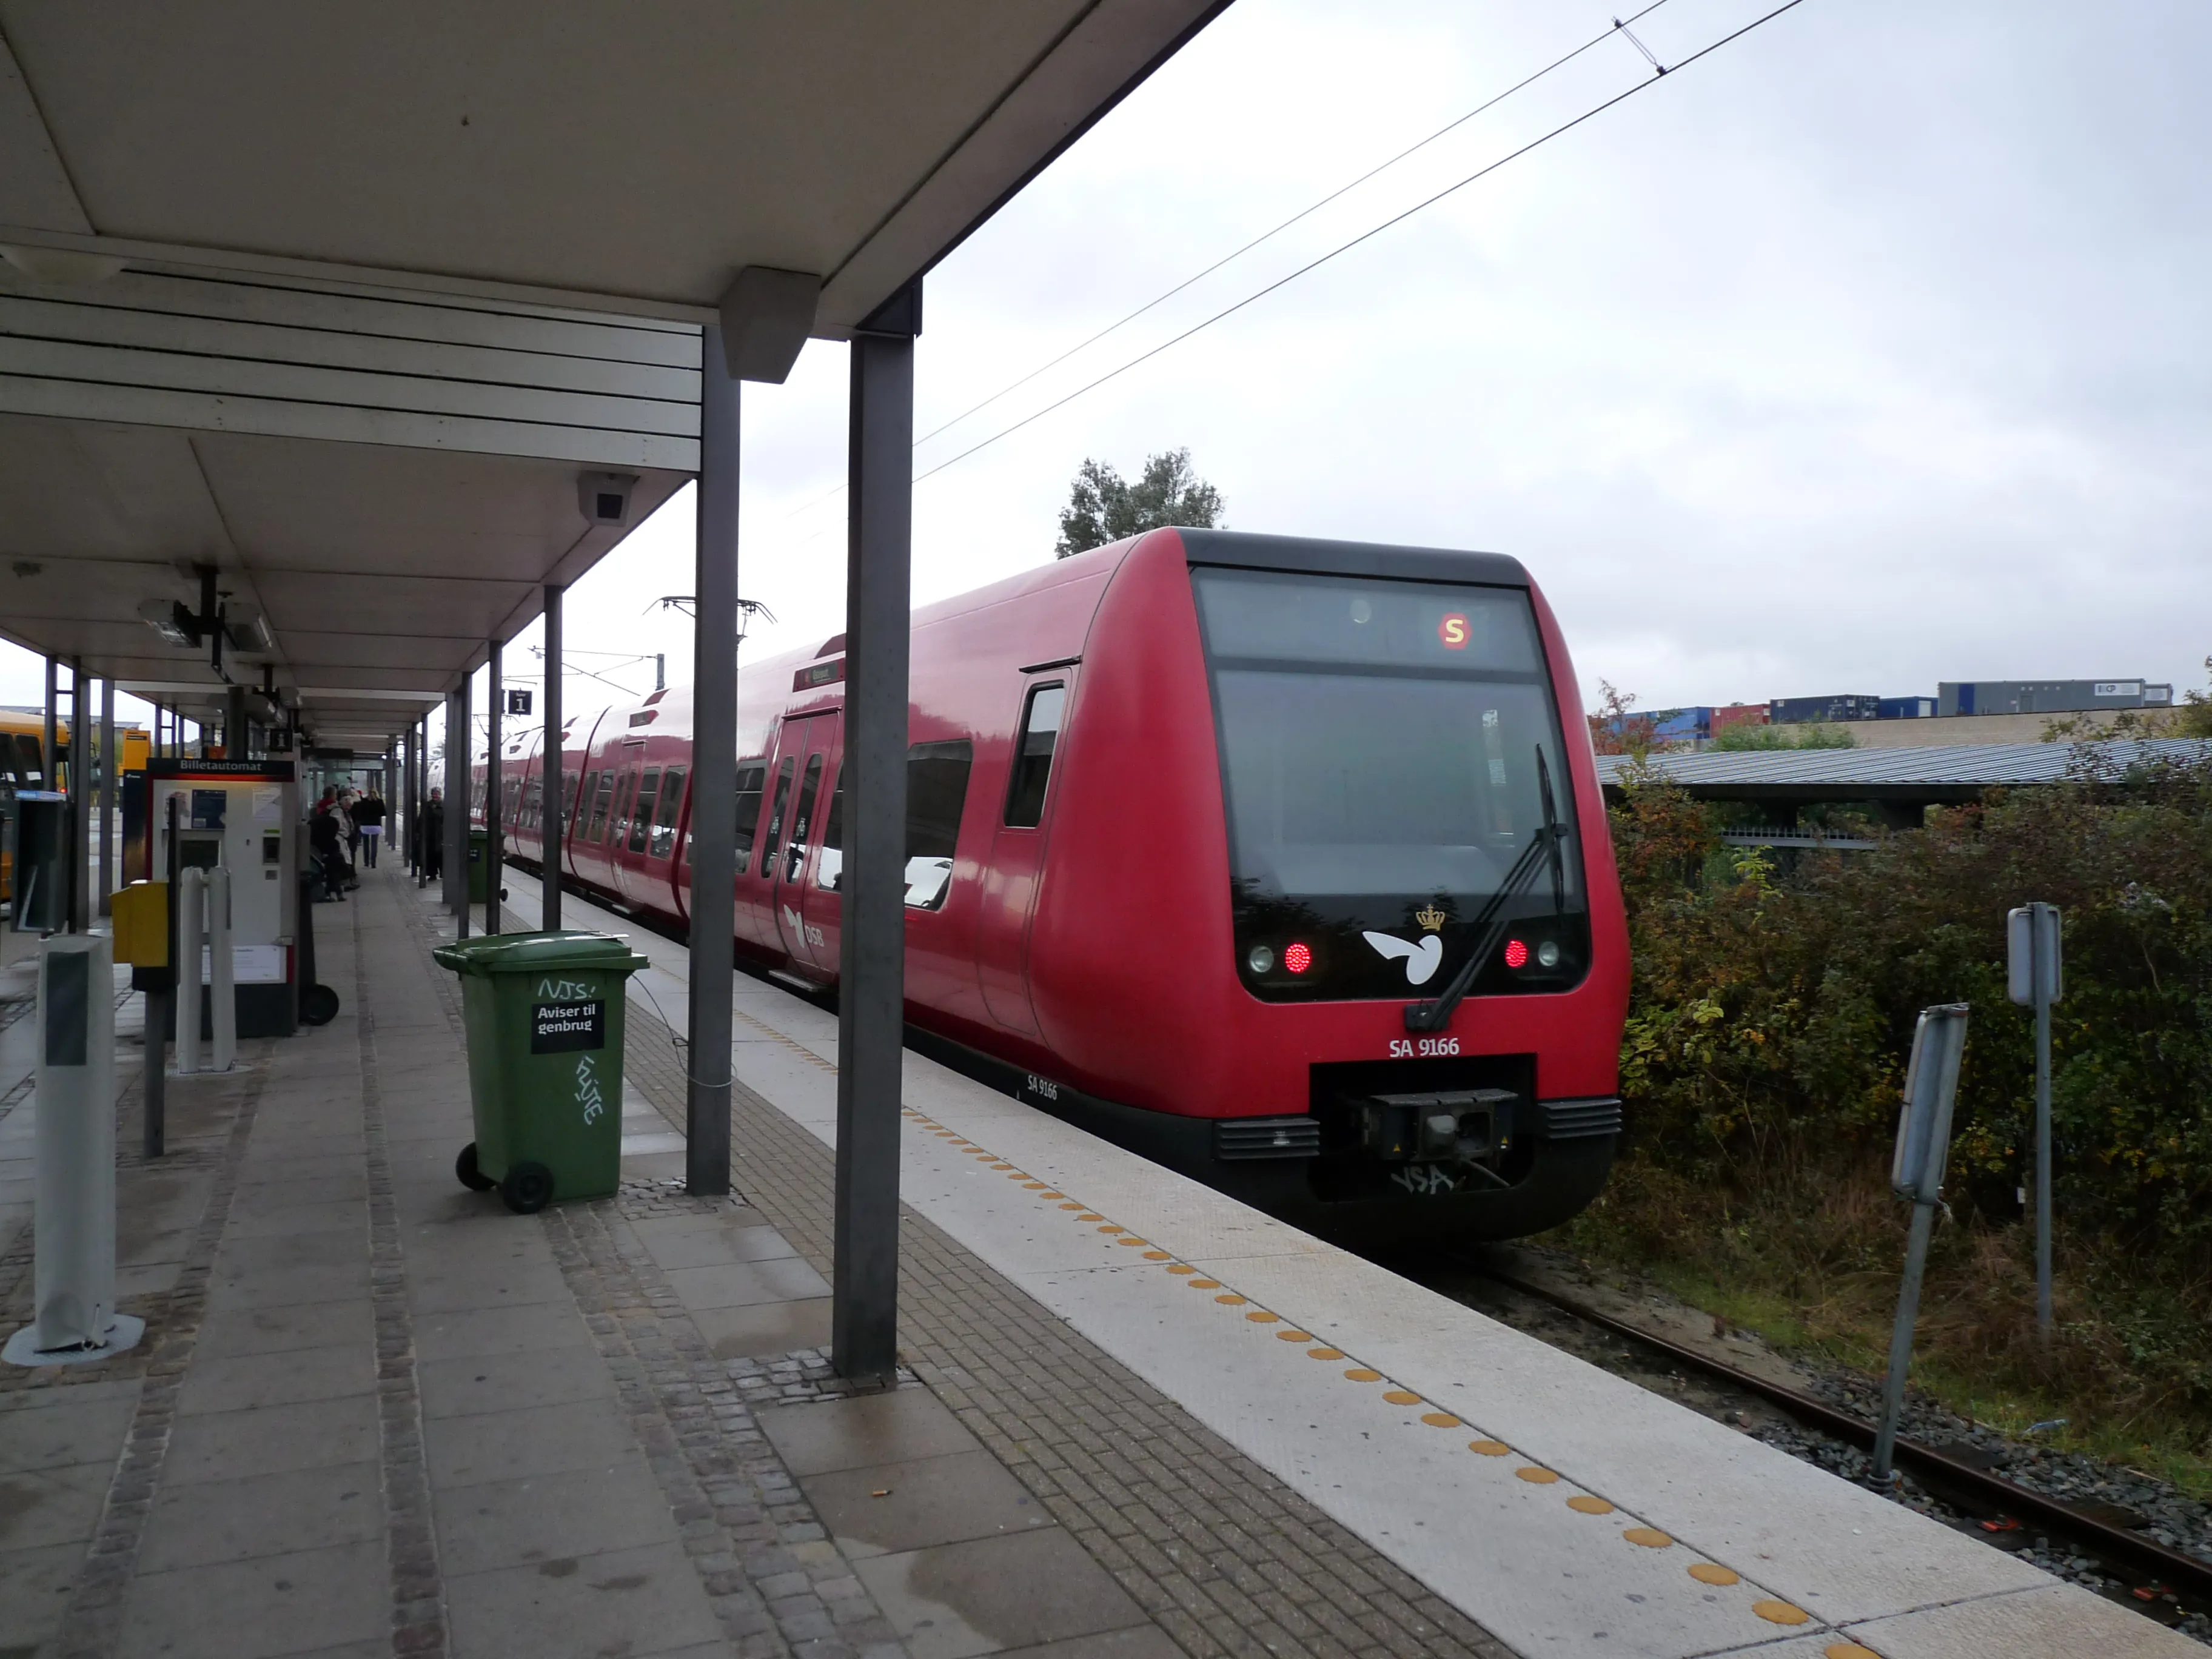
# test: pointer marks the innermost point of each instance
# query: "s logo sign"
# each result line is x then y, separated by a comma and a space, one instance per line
1453, 631
1421, 958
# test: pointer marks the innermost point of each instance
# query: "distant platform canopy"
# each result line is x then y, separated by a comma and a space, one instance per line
1952, 774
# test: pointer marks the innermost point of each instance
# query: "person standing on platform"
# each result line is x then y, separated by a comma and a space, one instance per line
431, 828
327, 842
341, 810
368, 818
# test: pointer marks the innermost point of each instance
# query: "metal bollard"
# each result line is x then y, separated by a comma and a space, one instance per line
73, 1274
191, 937
1916, 1172
222, 972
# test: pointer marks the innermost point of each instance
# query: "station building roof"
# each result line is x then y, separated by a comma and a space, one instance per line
1949, 773
346, 300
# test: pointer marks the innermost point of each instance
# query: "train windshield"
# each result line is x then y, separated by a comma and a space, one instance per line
1380, 744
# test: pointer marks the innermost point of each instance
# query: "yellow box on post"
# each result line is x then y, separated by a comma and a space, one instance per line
141, 915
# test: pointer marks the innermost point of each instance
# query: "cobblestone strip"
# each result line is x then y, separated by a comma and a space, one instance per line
95, 1622
1225, 1558
419, 1627
775, 1580
777, 1584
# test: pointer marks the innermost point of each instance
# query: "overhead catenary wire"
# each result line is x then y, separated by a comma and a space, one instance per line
1367, 236
1619, 26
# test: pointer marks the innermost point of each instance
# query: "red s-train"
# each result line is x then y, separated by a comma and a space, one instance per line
1271, 859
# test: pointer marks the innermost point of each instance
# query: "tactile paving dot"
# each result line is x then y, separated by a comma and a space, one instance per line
1110, 1227
1263, 1317
1850, 1650
1156, 1255
1440, 1420
1324, 1353
1401, 1397
1232, 1300
1070, 1206
1002, 1166
1293, 1336
1052, 1195
1489, 1448
1133, 1243
1537, 1476
1362, 1374
1650, 1537
1712, 1572
1182, 1268
1780, 1613
1089, 1215
1204, 1283
1583, 1503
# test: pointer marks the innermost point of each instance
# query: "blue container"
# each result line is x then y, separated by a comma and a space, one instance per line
1797, 711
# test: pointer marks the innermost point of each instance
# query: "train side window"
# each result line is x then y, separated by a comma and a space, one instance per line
936, 794
752, 776
1033, 749
664, 826
618, 820
510, 796
775, 818
640, 824
30, 761
571, 787
829, 868
600, 798
809, 787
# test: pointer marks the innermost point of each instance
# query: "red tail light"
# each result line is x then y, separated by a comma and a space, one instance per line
1298, 957
1516, 953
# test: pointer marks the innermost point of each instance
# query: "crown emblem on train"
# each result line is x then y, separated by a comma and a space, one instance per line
1430, 918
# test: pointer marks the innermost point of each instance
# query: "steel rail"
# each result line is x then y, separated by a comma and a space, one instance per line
2182, 1573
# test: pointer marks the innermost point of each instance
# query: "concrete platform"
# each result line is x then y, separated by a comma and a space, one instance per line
1561, 1509
376, 1414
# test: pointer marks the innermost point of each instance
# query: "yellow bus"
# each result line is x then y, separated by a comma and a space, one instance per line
23, 766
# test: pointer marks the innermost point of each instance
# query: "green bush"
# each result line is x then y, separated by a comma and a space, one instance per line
1785, 736
1770, 1026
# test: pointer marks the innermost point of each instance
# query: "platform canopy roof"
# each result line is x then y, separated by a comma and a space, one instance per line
352, 302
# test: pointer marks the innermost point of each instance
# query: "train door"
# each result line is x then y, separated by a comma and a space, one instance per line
1018, 849
802, 754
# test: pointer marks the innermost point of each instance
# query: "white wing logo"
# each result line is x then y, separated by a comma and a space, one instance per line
1422, 958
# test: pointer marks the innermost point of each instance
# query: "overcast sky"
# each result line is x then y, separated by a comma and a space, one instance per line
1867, 352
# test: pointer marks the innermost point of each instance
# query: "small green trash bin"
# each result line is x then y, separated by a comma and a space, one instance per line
479, 864
544, 1015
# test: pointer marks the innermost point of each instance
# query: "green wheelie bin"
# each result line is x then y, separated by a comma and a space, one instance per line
544, 1015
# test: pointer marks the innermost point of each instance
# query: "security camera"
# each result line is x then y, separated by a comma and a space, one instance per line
604, 497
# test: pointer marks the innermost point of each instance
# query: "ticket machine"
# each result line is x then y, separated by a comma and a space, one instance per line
242, 816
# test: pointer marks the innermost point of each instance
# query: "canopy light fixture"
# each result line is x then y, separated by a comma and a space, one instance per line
172, 621
248, 630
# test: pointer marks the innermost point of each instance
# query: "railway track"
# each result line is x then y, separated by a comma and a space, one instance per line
2147, 1564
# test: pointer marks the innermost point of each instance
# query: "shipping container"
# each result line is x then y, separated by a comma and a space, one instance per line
1908, 708
2047, 696
1738, 714
1795, 711
1681, 725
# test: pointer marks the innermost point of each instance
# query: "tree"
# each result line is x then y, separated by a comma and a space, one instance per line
1615, 729
1103, 506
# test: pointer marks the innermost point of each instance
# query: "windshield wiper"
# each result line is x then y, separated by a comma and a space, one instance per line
1490, 924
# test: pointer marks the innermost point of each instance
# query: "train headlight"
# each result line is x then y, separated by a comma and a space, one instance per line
1297, 958
1261, 960
1547, 954
1517, 954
